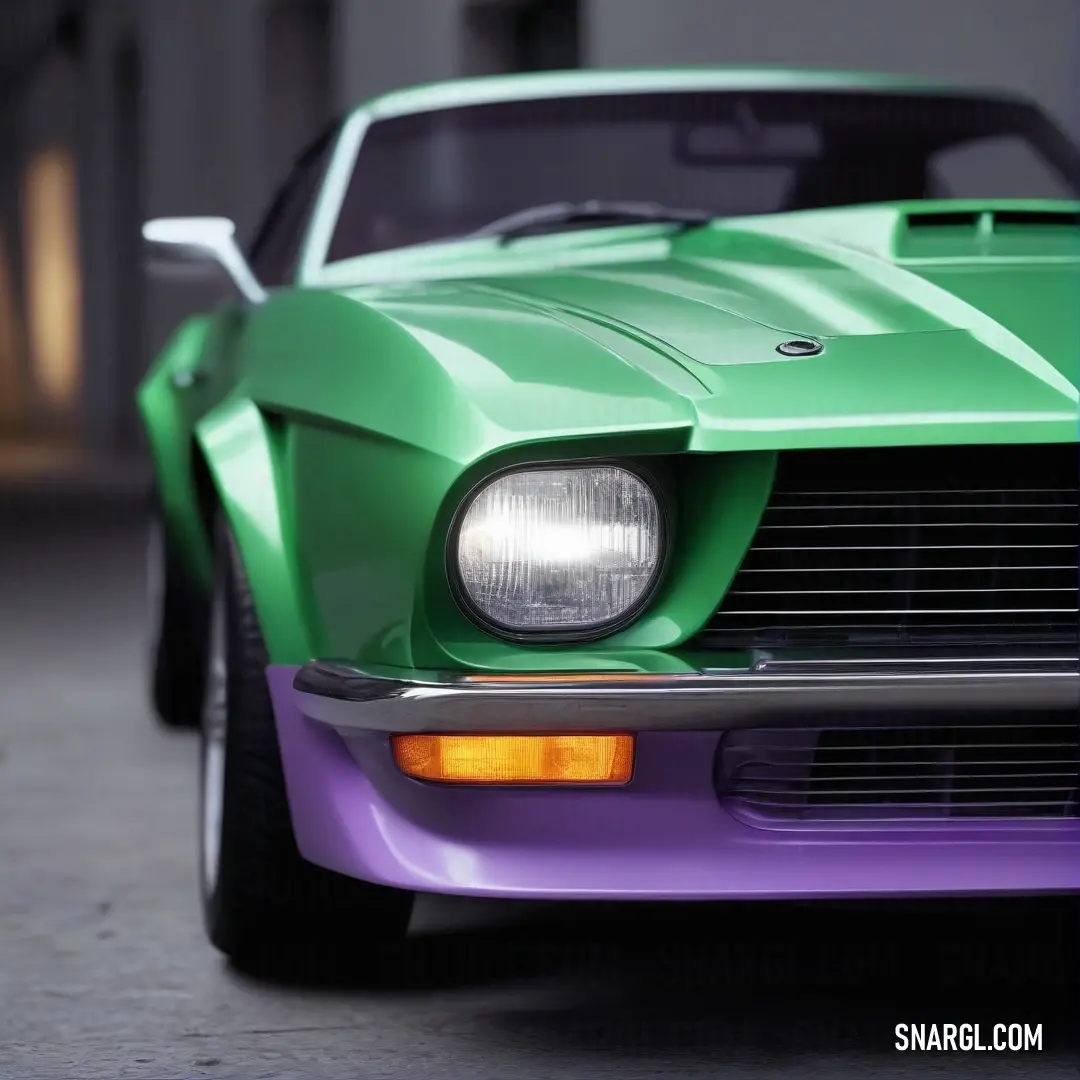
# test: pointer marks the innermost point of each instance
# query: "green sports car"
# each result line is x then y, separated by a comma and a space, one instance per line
629, 485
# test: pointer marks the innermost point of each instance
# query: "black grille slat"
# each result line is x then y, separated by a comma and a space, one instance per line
749, 783
840, 796
818, 581
930, 517
913, 545
881, 794
885, 557
885, 633
904, 601
1027, 768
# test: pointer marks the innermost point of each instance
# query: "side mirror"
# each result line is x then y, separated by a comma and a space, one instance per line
190, 246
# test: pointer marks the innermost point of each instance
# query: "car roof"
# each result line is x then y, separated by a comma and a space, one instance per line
524, 87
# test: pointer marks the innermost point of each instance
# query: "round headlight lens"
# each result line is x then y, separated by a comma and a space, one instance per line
550, 549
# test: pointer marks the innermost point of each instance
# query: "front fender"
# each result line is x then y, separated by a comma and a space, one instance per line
168, 434
243, 450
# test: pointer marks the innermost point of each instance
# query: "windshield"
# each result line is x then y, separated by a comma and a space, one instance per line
444, 174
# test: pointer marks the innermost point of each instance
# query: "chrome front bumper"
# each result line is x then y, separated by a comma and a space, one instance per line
772, 691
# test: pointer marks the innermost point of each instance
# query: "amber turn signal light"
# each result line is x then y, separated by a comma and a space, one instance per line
516, 759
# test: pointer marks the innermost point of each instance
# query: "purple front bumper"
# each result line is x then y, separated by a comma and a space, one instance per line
665, 836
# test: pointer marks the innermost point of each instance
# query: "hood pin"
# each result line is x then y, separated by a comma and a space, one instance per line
800, 347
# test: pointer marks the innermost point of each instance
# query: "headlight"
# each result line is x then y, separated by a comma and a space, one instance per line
559, 549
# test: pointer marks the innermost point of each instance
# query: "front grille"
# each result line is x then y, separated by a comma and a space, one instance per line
939, 767
912, 546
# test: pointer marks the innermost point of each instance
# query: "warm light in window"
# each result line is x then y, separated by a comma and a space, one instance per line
11, 403
53, 284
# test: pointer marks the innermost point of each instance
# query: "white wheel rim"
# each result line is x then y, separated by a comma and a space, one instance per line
214, 724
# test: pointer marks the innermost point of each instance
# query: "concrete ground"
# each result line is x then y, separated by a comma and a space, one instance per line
104, 971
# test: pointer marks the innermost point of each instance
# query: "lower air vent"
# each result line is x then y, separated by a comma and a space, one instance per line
895, 771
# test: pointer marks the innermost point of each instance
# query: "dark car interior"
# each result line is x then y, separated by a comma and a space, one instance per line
445, 174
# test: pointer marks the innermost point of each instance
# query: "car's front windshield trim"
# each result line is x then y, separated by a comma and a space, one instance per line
539, 86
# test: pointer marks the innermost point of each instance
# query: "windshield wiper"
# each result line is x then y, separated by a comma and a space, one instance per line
594, 212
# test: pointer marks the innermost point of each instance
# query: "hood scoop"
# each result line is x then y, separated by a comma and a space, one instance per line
989, 233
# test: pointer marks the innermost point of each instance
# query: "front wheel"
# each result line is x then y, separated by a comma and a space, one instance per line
261, 898
176, 613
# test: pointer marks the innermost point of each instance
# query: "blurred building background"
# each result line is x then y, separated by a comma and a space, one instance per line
115, 110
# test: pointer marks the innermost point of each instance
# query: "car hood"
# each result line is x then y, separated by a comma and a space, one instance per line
940, 322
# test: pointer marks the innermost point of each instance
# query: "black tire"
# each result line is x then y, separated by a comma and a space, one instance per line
264, 905
177, 625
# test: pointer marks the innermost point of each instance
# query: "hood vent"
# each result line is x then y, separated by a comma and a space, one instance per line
990, 221
1061, 219
954, 219
1002, 233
